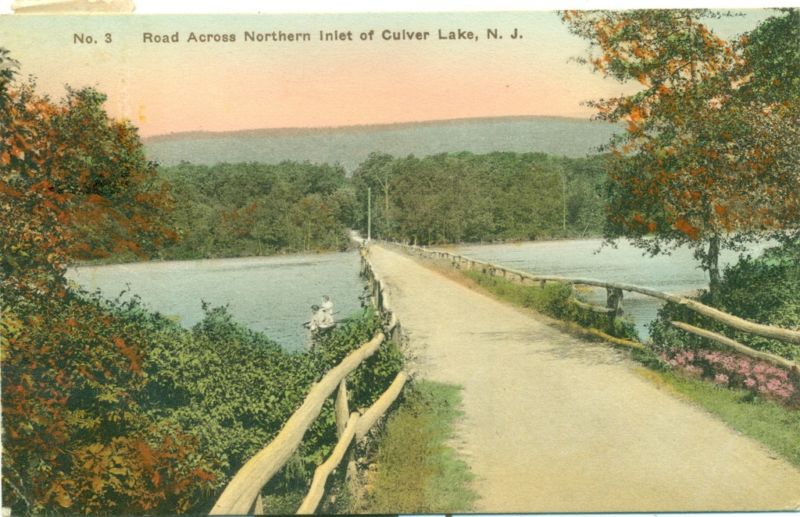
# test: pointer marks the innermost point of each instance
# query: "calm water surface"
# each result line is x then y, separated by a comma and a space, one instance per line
676, 273
274, 294
270, 294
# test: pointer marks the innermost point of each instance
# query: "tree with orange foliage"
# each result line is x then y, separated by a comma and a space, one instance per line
709, 155
74, 184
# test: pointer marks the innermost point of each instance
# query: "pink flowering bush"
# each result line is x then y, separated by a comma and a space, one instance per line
764, 290
738, 371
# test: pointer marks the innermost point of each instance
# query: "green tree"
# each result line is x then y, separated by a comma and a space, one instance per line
375, 175
236, 209
585, 200
461, 197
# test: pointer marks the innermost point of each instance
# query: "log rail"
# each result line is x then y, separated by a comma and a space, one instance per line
242, 495
614, 302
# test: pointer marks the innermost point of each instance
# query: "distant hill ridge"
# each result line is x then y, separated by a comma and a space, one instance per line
356, 127
350, 145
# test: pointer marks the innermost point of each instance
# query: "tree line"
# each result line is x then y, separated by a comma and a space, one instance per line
260, 209
257, 209
463, 197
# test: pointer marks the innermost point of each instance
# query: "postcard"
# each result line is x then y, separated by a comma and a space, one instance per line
431, 262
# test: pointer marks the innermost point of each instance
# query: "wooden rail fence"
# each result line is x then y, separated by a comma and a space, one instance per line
243, 494
614, 297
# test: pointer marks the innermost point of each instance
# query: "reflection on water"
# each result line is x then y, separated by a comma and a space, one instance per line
676, 273
270, 294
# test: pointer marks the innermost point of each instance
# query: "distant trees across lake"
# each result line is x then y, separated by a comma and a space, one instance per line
258, 209
465, 197
261, 209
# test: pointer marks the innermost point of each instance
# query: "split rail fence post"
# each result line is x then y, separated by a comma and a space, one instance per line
614, 302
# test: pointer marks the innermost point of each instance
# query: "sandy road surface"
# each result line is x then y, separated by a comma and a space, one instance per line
553, 423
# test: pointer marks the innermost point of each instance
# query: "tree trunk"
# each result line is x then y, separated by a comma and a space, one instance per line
712, 263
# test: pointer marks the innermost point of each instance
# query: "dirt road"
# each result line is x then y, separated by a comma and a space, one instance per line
553, 423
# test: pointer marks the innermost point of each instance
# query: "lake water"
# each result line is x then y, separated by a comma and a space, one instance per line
676, 273
274, 294
270, 294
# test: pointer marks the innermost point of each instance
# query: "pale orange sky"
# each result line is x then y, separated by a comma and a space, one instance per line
186, 86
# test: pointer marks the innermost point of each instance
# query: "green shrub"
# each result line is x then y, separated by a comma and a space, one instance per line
554, 299
79, 435
364, 385
161, 410
235, 388
764, 289
231, 386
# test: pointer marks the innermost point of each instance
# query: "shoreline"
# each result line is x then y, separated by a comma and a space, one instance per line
101, 263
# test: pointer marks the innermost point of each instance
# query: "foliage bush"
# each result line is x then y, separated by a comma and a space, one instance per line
75, 184
554, 299
364, 386
378, 370
232, 387
77, 436
117, 409
766, 290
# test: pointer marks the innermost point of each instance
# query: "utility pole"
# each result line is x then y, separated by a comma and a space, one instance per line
564, 202
369, 214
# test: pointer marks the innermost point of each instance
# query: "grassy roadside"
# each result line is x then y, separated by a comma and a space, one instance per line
555, 300
765, 421
417, 471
